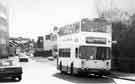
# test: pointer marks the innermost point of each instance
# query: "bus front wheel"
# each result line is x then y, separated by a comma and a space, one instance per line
61, 67
71, 69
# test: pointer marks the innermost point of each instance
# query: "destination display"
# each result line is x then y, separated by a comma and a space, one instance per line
95, 40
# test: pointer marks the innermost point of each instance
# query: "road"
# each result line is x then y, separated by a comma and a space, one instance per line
44, 72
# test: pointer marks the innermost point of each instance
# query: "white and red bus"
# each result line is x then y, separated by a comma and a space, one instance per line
85, 46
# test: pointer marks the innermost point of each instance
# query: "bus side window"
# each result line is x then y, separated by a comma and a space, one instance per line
64, 52
76, 52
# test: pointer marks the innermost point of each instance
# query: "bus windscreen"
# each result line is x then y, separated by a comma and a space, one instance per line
94, 53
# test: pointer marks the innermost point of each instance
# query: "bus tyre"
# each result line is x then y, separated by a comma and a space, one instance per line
61, 67
71, 69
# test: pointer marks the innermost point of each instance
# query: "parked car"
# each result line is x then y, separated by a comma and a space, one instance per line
23, 57
11, 68
51, 58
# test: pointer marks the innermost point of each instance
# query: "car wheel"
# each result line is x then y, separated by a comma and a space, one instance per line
17, 78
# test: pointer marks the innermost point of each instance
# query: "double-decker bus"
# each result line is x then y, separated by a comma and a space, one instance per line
85, 46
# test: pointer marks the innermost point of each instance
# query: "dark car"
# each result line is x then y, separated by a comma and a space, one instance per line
11, 68
23, 57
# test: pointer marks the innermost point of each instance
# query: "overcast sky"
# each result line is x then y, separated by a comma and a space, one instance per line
32, 18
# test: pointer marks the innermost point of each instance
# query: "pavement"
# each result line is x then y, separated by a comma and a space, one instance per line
121, 75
